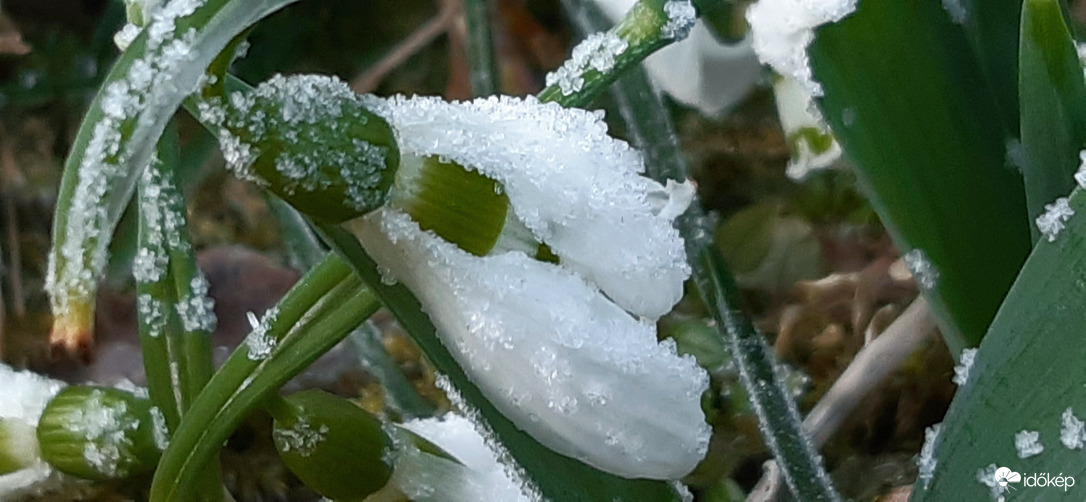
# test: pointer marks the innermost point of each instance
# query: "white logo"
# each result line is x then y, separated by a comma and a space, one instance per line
1004, 477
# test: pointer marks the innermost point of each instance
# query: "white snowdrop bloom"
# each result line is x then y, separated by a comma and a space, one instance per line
812, 145
567, 351
23, 396
782, 29
698, 71
480, 477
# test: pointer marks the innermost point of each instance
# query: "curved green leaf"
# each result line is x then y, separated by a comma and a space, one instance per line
909, 104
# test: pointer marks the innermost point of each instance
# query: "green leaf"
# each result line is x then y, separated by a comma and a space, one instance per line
908, 102
315, 315
1053, 105
556, 476
1027, 373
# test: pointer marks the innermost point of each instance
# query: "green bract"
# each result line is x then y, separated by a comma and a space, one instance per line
333, 446
101, 433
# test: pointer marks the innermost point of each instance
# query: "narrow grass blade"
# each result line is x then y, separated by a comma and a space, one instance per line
315, 315
650, 128
909, 104
482, 66
116, 140
1053, 105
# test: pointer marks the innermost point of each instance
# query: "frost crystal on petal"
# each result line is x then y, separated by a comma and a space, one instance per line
680, 19
259, 343
1055, 218
1028, 444
962, 369
782, 29
927, 462
574, 187
925, 273
1072, 430
567, 365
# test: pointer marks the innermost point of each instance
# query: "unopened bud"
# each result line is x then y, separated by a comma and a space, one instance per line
100, 433
335, 448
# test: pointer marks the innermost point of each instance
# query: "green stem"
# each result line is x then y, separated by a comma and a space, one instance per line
482, 66
315, 315
649, 125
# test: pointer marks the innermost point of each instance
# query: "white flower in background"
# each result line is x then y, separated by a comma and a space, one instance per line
812, 144
23, 396
568, 352
699, 71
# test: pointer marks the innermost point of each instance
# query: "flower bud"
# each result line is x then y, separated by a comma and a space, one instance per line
312, 141
333, 446
100, 433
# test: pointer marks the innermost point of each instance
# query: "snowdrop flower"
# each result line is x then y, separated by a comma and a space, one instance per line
547, 298
699, 71
23, 396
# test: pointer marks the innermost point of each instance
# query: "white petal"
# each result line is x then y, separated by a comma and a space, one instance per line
566, 365
576, 188
782, 30
457, 435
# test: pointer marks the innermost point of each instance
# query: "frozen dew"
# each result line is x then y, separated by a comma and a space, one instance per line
963, 368
106, 424
681, 16
151, 314
563, 362
259, 343
1080, 173
987, 477
1072, 430
1028, 444
957, 10
197, 310
159, 431
301, 437
781, 30
927, 462
1055, 218
149, 266
597, 52
569, 183
925, 273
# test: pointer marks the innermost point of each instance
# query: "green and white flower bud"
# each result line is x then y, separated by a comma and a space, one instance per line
335, 448
311, 140
101, 433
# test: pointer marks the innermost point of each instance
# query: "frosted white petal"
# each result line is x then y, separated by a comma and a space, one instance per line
576, 188
566, 365
782, 30
794, 106
23, 396
457, 435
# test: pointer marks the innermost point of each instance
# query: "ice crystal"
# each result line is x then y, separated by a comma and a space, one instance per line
197, 310
301, 437
925, 273
987, 477
151, 314
782, 29
159, 431
927, 462
106, 426
681, 16
1055, 218
598, 52
149, 265
1028, 444
1072, 430
957, 10
259, 343
1080, 173
963, 368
